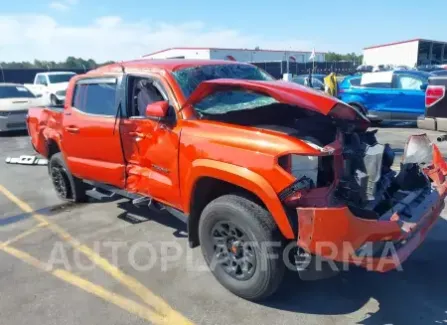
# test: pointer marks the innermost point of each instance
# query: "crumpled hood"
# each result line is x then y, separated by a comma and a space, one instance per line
282, 91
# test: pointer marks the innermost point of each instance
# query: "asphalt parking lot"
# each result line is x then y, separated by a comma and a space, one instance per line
102, 262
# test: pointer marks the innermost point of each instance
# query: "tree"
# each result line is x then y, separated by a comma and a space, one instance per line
335, 57
70, 63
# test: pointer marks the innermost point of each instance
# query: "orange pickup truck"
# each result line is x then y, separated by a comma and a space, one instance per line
265, 173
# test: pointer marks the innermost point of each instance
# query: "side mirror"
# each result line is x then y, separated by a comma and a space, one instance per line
157, 110
424, 87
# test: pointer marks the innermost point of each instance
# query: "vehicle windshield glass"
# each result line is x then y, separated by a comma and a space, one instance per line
63, 77
224, 101
232, 100
190, 78
15, 92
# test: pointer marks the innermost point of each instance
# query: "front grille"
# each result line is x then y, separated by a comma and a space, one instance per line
15, 125
21, 112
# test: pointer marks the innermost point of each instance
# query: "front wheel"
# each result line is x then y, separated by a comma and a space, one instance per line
67, 186
53, 100
242, 246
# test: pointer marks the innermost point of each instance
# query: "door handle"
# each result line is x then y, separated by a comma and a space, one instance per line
72, 129
138, 134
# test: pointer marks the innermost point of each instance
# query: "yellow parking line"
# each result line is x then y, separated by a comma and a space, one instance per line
24, 234
131, 283
122, 302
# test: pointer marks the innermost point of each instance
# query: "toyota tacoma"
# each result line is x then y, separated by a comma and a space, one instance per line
252, 165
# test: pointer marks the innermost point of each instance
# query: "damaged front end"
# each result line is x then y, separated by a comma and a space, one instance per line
370, 215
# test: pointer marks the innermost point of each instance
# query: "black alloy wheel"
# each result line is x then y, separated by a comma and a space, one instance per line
61, 182
233, 251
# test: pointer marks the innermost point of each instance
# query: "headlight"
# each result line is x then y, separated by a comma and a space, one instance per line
300, 166
309, 171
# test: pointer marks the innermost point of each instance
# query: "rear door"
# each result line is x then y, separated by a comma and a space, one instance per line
410, 100
91, 140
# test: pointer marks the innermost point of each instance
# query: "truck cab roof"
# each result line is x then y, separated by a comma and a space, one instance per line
162, 64
55, 72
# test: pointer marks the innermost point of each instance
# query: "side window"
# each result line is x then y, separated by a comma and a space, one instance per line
41, 80
408, 82
378, 85
95, 97
142, 92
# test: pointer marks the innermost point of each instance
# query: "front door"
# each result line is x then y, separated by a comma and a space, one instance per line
91, 141
150, 147
410, 101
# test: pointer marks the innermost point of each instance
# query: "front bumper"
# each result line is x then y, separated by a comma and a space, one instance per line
334, 233
14, 121
60, 98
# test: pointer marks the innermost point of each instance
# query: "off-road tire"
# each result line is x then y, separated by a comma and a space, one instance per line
75, 189
259, 226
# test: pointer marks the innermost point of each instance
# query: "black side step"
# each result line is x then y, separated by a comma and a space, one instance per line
113, 190
101, 191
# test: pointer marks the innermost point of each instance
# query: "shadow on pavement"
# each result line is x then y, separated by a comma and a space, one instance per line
135, 215
47, 211
397, 124
10, 134
416, 295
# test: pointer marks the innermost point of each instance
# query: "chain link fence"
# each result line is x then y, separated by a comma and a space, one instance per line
278, 68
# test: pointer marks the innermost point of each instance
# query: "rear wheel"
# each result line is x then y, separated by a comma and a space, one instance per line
67, 186
243, 247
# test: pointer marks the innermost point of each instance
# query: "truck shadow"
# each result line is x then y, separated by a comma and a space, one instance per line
397, 124
416, 295
136, 215
11, 134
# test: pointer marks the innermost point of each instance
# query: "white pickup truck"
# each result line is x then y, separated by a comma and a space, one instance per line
51, 86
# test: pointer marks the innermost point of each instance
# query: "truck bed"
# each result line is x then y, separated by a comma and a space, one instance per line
42, 122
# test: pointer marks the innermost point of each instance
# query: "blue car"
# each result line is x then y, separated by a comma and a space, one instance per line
389, 95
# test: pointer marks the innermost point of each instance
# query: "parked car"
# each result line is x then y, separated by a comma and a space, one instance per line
364, 68
435, 115
317, 80
51, 85
439, 73
252, 165
15, 99
389, 95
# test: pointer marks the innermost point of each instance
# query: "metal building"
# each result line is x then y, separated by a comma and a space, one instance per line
410, 53
242, 55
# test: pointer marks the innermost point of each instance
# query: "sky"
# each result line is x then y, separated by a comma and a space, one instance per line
125, 29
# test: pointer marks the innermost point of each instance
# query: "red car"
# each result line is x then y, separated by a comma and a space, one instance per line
260, 170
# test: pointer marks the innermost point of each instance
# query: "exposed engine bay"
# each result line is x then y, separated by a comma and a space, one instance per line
368, 185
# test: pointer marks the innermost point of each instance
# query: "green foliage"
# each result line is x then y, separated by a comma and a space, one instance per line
336, 57
70, 63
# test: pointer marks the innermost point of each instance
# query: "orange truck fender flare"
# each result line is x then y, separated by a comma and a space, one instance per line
243, 178
52, 135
